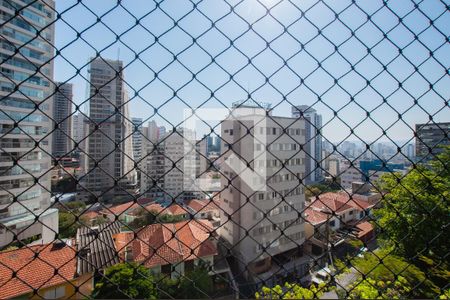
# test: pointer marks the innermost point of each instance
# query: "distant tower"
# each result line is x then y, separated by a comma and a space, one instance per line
109, 125
313, 147
62, 111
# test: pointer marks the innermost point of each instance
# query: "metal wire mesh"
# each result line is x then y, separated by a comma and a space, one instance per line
203, 149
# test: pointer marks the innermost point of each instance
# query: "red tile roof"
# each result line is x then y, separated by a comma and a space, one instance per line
169, 243
201, 205
315, 217
330, 203
35, 272
364, 228
176, 209
128, 206
339, 202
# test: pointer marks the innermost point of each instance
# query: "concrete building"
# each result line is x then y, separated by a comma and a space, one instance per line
62, 116
80, 139
152, 132
313, 136
111, 171
137, 138
430, 139
26, 80
152, 168
252, 221
180, 164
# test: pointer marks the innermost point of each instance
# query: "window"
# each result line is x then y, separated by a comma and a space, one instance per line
56, 293
332, 223
231, 131
351, 212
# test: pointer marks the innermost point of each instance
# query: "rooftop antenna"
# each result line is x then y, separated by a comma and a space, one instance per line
118, 53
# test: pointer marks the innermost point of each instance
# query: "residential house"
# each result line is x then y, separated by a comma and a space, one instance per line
50, 269
171, 249
334, 217
204, 209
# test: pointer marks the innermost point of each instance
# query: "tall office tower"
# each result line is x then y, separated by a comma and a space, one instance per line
201, 157
151, 132
23, 86
153, 169
62, 116
180, 164
79, 128
252, 221
161, 131
410, 151
313, 127
137, 138
111, 171
80, 138
430, 140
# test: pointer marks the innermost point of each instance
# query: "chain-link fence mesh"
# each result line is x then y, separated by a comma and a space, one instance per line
206, 149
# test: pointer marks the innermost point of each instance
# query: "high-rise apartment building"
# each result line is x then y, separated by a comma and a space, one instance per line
313, 129
430, 140
79, 128
137, 138
62, 116
153, 169
180, 164
111, 171
26, 79
252, 220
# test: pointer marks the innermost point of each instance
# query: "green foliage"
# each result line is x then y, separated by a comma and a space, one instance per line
67, 224
385, 267
415, 209
355, 243
340, 266
145, 217
194, 284
125, 281
320, 188
291, 291
379, 289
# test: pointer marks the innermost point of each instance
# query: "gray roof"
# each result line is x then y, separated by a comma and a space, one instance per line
96, 248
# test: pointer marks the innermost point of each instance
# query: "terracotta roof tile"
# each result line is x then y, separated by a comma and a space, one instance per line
35, 273
315, 217
169, 243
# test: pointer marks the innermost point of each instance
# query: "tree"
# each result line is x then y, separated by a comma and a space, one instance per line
125, 280
382, 266
67, 224
373, 289
194, 284
415, 209
291, 291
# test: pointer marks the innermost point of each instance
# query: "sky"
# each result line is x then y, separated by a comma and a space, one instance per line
211, 53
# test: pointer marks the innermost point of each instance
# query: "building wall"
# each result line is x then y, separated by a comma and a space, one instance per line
241, 230
62, 110
434, 136
313, 139
35, 87
107, 162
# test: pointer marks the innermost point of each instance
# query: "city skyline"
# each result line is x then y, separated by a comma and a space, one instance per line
194, 93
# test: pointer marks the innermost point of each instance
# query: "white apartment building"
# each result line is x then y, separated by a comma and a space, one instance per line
349, 174
110, 170
252, 221
62, 110
22, 86
152, 168
313, 138
180, 164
